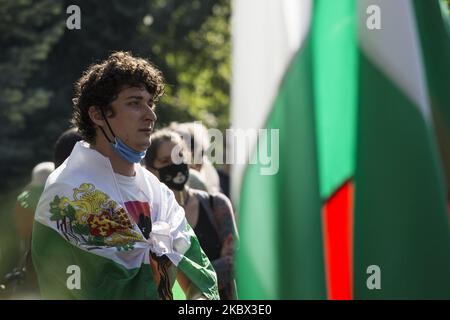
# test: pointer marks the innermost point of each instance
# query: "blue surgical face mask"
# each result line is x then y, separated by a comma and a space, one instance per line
121, 148
126, 152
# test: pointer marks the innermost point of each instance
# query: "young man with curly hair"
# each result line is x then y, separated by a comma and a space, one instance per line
106, 228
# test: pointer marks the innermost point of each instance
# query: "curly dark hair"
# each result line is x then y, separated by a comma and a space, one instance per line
101, 84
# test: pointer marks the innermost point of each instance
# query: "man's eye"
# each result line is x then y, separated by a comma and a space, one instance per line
133, 103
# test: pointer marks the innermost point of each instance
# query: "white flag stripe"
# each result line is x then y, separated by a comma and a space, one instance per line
266, 35
395, 49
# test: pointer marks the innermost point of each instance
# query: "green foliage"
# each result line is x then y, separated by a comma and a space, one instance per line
204, 70
28, 31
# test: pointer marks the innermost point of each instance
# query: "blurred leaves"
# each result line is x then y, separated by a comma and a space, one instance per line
204, 70
28, 31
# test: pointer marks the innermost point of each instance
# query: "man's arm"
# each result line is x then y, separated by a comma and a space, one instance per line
195, 273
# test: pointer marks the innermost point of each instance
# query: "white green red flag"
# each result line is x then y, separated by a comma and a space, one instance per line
361, 179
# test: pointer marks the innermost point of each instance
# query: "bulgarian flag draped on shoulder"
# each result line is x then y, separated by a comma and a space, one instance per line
99, 234
81, 221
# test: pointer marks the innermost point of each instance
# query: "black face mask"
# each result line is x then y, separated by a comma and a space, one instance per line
174, 176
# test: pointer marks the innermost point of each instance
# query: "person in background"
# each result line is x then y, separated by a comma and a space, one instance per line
209, 214
24, 214
27, 200
224, 171
205, 176
22, 283
64, 145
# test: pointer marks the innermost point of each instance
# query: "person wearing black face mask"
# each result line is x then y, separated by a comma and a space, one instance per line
174, 175
210, 215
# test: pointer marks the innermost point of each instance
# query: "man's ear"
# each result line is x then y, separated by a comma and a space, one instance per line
96, 116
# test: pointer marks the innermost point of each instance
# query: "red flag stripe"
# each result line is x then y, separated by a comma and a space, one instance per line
337, 219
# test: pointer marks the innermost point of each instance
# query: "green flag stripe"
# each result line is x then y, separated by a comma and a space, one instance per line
400, 212
102, 278
281, 254
335, 87
117, 281
435, 39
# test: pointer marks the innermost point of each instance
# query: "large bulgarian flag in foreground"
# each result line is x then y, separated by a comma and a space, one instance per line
360, 193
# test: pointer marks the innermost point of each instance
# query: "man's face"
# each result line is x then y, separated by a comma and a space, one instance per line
134, 118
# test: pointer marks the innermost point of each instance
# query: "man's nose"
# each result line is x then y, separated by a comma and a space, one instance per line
151, 115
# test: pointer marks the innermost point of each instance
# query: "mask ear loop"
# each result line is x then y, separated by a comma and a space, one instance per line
104, 133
